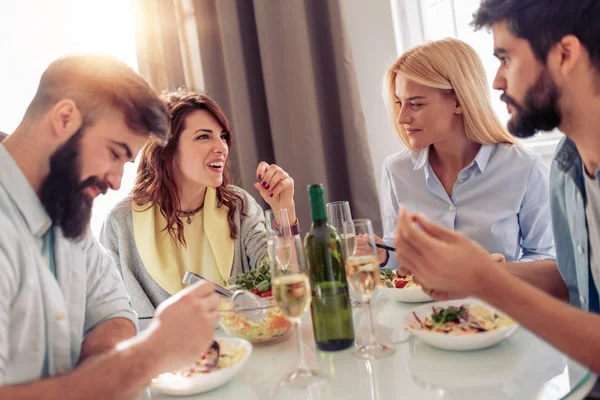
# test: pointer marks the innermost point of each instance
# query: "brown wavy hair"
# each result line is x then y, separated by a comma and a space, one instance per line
155, 183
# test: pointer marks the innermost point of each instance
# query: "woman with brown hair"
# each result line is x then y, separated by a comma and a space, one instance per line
183, 214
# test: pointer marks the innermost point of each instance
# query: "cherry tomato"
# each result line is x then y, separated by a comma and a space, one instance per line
400, 284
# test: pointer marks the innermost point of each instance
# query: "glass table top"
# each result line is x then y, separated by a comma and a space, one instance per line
521, 367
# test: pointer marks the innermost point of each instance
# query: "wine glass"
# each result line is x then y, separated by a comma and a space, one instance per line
292, 294
278, 224
338, 213
362, 273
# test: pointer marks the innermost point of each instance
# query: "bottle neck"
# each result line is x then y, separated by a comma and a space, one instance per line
318, 212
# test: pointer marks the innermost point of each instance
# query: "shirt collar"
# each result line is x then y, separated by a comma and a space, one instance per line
483, 156
22, 194
420, 158
567, 155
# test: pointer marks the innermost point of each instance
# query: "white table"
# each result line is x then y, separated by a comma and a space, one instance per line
521, 367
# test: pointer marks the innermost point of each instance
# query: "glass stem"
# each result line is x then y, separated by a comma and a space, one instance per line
302, 365
372, 341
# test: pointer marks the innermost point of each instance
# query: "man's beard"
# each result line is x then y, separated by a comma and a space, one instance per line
540, 111
62, 193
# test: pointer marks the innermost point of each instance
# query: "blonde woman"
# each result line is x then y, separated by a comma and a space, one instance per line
461, 168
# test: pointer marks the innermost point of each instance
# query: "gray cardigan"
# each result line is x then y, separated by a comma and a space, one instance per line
117, 236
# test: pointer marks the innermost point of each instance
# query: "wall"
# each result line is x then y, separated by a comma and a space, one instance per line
371, 32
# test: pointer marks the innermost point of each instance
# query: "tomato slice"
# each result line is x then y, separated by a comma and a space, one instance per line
400, 284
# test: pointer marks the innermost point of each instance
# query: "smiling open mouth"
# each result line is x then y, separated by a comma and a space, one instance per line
216, 166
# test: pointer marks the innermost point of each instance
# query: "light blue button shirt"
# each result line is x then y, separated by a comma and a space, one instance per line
43, 317
500, 200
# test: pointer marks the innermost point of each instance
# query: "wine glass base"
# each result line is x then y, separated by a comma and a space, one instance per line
375, 351
304, 378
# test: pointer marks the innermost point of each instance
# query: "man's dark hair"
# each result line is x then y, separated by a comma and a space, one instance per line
97, 81
543, 23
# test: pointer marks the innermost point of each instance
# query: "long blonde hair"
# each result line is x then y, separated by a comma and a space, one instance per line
448, 64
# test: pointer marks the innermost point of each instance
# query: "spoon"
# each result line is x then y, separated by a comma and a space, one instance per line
243, 302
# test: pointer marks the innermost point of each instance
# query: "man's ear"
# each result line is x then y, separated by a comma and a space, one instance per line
566, 54
66, 119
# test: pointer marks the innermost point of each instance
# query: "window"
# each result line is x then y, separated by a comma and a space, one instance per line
421, 20
33, 33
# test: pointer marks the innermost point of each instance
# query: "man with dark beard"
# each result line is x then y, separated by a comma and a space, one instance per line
66, 326
549, 52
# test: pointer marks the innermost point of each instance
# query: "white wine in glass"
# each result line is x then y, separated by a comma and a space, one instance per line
278, 224
338, 213
292, 294
283, 252
349, 239
362, 272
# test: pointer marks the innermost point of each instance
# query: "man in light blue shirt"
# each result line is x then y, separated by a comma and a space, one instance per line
51, 300
66, 325
549, 74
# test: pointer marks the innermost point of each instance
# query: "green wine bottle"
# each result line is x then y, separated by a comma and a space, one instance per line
330, 305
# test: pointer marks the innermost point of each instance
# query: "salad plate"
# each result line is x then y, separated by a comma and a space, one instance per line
467, 324
197, 378
401, 287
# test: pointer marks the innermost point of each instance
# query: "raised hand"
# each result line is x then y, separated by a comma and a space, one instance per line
497, 257
444, 262
277, 188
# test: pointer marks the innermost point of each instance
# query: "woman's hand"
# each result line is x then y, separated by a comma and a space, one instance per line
381, 253
363, 247
277, 188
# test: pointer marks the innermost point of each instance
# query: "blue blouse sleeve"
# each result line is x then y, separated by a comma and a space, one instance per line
389, 209
535, 220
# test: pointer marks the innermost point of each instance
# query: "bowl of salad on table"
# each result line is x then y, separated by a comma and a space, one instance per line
467, 324
273, 327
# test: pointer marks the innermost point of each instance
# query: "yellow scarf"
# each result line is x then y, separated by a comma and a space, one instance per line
209, 250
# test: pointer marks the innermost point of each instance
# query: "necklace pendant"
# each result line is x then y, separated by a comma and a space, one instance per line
189, 220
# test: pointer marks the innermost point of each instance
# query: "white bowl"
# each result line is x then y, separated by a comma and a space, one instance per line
406, 295
174, 385
445, 341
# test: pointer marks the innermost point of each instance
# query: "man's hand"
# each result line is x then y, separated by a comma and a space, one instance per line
182, 329
184, 326
441, 260
498, 258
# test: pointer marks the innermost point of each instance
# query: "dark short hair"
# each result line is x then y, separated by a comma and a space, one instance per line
543, 23
97, 81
